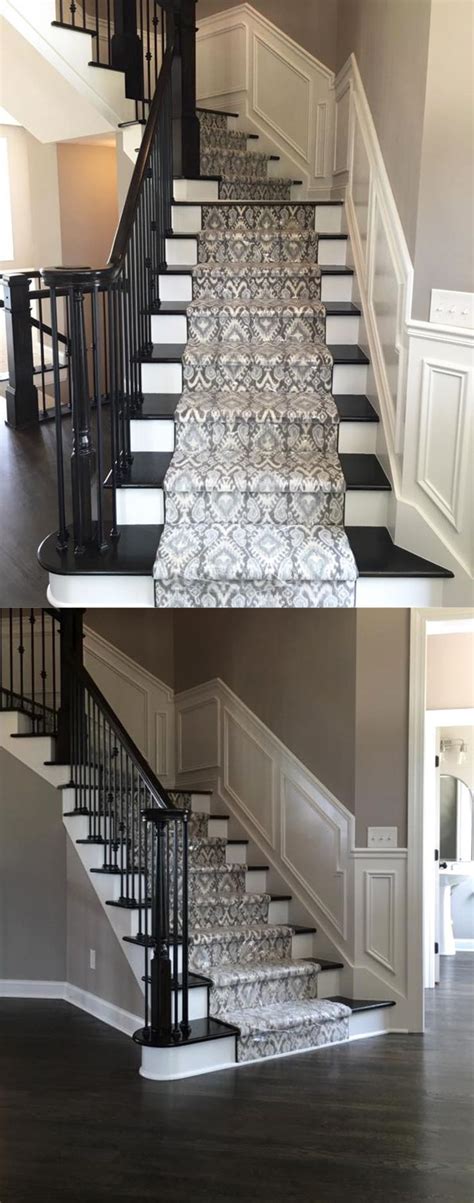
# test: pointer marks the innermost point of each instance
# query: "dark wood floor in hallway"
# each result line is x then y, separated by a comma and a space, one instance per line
370, 1122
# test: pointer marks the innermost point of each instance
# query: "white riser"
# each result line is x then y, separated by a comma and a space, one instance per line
366, 507
108, 885
201, 803
358, 437
196, 190
166, 378
186, 219
236, 854
154, 434
185, 1061
348, 378
132, 592
34, 752
336, 288
218, 827
171, 328
329, 983
302, 946
175, 288
68, 800
278, 912
332, 251
370, 1023
256, 882
342, 329
329, 219
140, 507
181, 252
379, 592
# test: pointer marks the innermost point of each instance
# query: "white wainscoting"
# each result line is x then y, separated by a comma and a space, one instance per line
421, 377
143, 704
280, 91
357, 897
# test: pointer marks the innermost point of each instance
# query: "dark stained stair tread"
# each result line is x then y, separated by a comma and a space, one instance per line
347, 353
133, 554
362, 1004
162, 353
156, 405
200, 1030
363, 472
376, 554
147, 471
342, 309
336, 269
354, 407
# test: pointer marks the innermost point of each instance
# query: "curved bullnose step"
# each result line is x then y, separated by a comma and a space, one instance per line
210, 1045
121, 575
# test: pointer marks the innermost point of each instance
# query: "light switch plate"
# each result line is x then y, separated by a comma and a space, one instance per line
452, 308
382, 837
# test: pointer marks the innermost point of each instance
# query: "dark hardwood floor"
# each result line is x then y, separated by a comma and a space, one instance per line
388, 1119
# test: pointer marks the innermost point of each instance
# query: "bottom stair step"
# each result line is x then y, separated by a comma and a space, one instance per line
288, 1027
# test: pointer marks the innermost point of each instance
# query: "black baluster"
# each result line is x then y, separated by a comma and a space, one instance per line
10, 637
43, 673
83, 456
63, 536
176, 926
32, 664
101, 540
21, 653
185, 1027
161, 964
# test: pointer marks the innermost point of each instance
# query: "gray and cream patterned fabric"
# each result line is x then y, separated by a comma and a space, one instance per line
255, 494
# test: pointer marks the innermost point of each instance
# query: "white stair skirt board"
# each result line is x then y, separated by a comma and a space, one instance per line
196, 190
366, 507
358, 437
163, 378
256, 881
181, 252
329, 219
175, 287
380, 592
186, 219
115, 592
154, 434
140, 507
186, 1061
336, 288
332, 251
349, 378
170, 328
342, 329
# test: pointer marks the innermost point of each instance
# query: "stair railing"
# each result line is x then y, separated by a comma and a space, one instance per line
30, 676
29, 393
108, 341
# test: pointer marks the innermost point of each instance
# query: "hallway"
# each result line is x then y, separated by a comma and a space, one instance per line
384, 1119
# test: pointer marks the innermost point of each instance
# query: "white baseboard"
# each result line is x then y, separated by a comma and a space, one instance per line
464, 945
117, 1018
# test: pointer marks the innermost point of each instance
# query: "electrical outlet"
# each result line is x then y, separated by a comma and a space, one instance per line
92, 958
382, 837
452, 308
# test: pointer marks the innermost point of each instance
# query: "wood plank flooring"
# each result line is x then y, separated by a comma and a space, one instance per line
376, 1121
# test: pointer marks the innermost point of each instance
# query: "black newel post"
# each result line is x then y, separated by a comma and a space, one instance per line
83, 454
127, 48
186, 130
21, 392
161, 963
71, 649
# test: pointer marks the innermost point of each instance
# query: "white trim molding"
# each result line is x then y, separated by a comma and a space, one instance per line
421, 375
116, 1017
282, 92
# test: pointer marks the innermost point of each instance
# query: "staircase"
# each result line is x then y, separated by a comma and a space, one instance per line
237, 463
228, 976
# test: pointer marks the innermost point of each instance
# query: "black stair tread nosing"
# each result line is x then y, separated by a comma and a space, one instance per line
147, 471
326, 966
114, 871
348, 353
342, 309
300, 929
197, 179
363, 472
243, 841
157, 405
185, 237
81, 811
216, 112
211, 816
362, 1004
161, 353
179, 308
201, 1030
31, 734
355, 407
260, 868
74, 28
106, 67
222, 201
133, 554
335, 269
195, 981
377, 555
325, 237
327, 202
279, 897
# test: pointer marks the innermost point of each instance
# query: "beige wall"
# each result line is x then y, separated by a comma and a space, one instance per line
33, 170
450, 672
445, 227
88, 202
381, 721
390, 39
32, 876
146, 636
311, 23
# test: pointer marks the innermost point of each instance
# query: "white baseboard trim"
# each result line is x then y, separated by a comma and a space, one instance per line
19, 988
116, 1017
466, 945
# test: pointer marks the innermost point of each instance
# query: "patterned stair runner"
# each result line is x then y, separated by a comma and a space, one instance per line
256, 985
255, 492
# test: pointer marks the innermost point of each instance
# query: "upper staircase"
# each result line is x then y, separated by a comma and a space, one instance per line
227, 973
224, 443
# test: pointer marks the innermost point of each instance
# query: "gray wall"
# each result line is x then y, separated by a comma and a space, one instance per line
146, 636
381, 721
390, 39
445, 226
32, 876
311, 23
88, 927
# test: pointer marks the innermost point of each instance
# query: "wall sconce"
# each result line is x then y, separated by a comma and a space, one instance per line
453, 747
